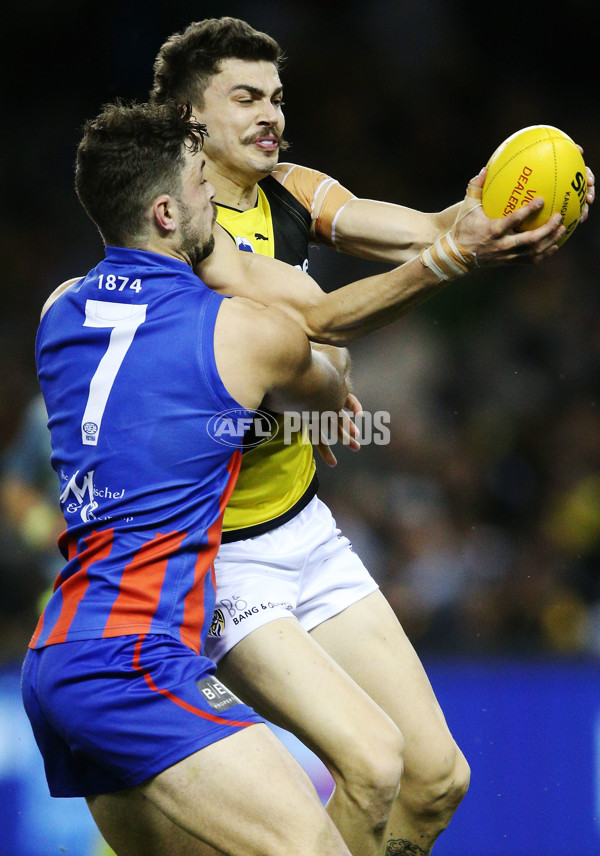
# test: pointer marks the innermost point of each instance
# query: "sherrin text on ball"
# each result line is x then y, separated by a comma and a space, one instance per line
537, 161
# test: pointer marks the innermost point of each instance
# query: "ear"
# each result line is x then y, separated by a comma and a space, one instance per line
163, 211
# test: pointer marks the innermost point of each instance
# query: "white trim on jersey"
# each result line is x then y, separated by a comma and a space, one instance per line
328, 184
337, 214
288, 173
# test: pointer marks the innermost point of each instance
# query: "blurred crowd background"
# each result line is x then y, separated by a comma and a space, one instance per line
481, 518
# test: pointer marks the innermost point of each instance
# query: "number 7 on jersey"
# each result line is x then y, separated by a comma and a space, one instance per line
123, 319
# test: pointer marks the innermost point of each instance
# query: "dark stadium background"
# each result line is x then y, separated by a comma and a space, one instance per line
481, 518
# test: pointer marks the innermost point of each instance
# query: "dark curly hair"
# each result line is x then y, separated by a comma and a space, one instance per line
129, 154
187, 61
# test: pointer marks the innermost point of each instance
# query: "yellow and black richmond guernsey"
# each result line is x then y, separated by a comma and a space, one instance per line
276, 480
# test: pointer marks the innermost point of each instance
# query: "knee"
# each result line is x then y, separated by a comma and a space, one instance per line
436, 793
370, 776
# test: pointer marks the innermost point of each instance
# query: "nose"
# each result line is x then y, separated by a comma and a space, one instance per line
269, 113
210, 190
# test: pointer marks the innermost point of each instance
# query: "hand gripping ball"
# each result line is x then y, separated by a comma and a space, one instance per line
537, 161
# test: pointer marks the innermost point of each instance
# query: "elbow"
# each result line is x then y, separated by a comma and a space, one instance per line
323, 330
327, 319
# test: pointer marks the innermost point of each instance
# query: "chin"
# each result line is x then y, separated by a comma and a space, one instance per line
199, 253
208, 247
269, 164
264, 164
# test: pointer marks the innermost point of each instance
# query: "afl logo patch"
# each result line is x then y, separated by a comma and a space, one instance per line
232, 427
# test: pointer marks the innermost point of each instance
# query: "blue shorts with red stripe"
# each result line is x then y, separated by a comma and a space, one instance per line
108, 714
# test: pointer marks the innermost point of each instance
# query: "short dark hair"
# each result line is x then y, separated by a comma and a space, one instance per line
187, 61
129, 154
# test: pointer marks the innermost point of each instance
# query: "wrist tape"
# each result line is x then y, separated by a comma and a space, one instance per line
448, 259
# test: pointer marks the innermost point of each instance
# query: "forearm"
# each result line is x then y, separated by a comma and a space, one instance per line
362, 307
333, 365
384, 232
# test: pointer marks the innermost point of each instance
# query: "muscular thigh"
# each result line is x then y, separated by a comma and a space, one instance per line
229, 797
133, 826
369, 644
292, 681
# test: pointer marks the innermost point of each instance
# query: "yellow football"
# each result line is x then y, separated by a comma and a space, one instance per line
537, 161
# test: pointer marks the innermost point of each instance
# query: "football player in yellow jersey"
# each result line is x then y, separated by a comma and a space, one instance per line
302, 631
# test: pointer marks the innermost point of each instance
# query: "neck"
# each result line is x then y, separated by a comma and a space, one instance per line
232, 189
165, 248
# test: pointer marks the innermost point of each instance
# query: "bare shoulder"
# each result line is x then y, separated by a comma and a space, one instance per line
57, 293
265, 328
255, 345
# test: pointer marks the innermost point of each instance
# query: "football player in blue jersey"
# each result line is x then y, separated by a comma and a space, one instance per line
138, 362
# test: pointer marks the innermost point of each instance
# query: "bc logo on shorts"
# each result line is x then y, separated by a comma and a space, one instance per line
217, 695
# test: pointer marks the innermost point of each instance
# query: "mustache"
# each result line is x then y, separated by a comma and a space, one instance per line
267, 132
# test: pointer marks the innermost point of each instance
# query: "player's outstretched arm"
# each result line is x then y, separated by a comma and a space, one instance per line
392, 233
475, 240
361, 307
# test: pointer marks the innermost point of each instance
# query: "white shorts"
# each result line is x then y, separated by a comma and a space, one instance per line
304, 569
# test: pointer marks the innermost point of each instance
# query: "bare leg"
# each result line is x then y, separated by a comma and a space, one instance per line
332, 695
244, 795
132, 825
369, 643
292, 681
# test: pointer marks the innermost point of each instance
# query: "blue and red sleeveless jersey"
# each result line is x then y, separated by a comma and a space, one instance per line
126, 363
